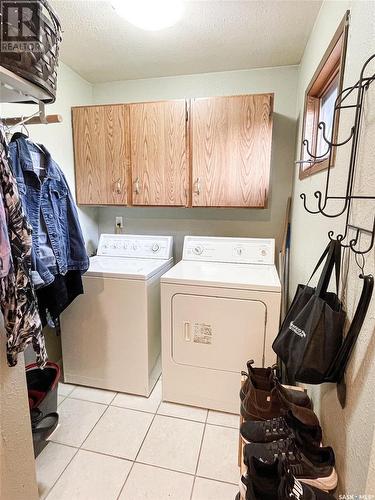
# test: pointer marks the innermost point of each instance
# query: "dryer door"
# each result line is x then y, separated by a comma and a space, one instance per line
216, 332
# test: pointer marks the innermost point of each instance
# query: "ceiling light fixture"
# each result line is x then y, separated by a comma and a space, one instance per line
151, 15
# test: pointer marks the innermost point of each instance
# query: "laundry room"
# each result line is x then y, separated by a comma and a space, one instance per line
187, 235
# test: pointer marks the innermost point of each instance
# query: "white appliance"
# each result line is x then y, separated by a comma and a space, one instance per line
111, 334
220, 308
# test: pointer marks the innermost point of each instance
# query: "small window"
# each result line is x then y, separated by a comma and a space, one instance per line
320, 100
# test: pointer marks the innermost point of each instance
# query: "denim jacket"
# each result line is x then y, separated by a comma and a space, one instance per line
58, 244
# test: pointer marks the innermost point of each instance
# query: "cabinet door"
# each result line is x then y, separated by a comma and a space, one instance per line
101, 151
158, 153
231, 150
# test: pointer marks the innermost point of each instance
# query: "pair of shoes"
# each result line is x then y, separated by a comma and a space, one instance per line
313, 465
289, 425
275, 481
263, 398
262, 378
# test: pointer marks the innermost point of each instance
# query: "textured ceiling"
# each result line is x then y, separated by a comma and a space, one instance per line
215, 35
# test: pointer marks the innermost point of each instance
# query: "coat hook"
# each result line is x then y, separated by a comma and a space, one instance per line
305, 142
368, 249
303, 197
322, 127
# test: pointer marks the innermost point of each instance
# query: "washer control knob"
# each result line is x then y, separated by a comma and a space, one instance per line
263, 252
155, 247
198, 250
239, 251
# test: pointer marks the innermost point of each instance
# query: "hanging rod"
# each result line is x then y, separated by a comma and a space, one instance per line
37, 118
33, 120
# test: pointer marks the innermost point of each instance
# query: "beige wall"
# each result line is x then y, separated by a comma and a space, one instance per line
349, 431
225, 222
17, 470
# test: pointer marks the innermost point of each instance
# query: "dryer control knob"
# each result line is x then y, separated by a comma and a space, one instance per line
198, 250
155, 247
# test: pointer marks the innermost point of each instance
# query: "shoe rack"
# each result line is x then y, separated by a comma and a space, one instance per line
241, 445
241, 464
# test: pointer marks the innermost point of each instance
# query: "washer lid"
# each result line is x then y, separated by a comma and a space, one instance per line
221, 274
116, 267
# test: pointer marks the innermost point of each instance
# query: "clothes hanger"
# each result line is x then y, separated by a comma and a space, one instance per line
24, 133
24, 127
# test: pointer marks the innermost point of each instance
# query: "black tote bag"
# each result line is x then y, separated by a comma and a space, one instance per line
311, 335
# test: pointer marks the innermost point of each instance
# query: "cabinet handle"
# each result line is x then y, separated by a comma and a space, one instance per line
118, 186
136, 186
198, 186
187, 331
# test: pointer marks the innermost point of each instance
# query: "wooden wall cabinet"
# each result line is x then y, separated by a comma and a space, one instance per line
151, 154
231, 150
102, 152
158, 137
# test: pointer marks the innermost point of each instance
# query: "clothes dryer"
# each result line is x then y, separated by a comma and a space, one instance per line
220, 308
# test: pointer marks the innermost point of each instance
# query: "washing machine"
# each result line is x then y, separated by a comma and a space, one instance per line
111, 335
220, 307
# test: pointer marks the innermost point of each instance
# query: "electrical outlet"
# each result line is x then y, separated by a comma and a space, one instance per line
119, 222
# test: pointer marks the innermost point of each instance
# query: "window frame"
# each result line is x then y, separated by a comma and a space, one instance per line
331, 67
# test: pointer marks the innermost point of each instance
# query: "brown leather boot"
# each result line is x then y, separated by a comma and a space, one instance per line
260, 404
263, 379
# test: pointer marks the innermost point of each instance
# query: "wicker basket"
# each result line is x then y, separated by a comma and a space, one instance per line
39, 68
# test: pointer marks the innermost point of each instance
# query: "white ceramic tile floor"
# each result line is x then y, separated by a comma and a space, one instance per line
64, 389
152, 483
149, 404
224, 419
137, 448
120, 433
207, 489
60, 399
172, 443
50, 464
77, 418
182, 411
219, 442
92, 394
91, 476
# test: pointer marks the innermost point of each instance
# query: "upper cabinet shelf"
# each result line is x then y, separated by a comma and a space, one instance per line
13, 88
211, 152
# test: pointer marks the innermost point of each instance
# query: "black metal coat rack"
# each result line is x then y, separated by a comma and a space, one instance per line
341, 103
